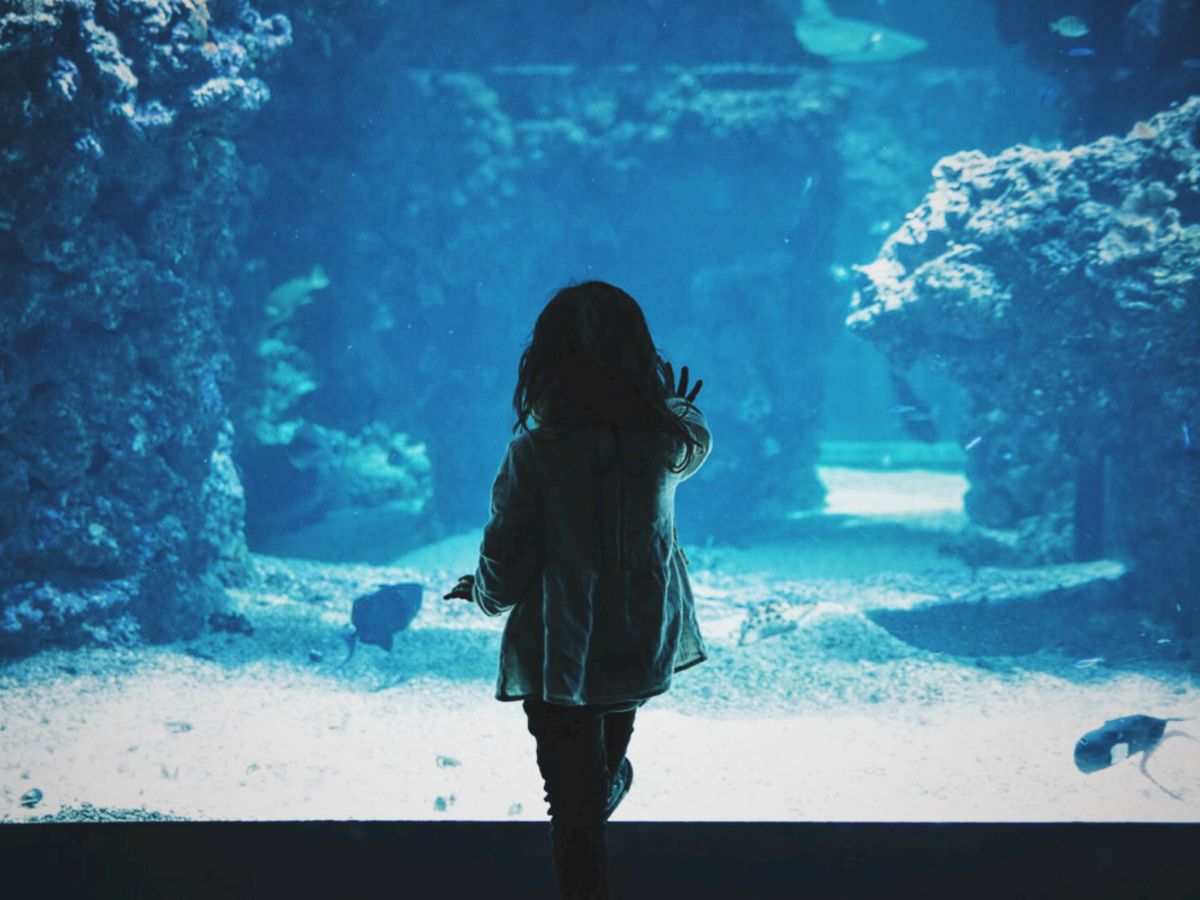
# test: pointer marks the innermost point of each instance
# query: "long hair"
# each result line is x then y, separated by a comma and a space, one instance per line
591, 360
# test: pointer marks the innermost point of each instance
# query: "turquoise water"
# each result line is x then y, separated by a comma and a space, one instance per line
269, 269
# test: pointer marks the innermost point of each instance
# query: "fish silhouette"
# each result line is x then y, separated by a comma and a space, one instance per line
283, 302
1118, 739
377, 616
915, 415
840, 40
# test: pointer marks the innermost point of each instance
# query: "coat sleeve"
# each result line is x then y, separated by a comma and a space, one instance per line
694, 419
510, 557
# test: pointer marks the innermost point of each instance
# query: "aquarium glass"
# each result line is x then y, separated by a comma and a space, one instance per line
267, 270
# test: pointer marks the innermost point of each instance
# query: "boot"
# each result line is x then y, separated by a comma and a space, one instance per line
621, 782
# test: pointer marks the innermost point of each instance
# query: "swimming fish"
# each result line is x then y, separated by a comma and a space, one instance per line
31, 798
1070, 27
915, 415
1079, 52
1118, 739
840, 40
377, 616
291, 295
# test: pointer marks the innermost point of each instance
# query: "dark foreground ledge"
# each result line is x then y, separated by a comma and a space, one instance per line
648, 859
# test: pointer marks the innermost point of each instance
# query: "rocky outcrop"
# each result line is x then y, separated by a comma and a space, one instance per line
1061, 289
120, 509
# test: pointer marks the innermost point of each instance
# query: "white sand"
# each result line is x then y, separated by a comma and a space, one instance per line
835, 720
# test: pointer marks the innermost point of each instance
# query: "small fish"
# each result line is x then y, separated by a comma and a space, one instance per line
31, 798
447, 761
1050, 93
377, 616
289, 296
1118, 739
916, 417
1187, 436
973, 443
1089, 662
1070, 27
764, 620
809, 181
839, 273
1080, 52
1190, 63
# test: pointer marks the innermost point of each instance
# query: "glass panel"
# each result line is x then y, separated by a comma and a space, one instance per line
273, 271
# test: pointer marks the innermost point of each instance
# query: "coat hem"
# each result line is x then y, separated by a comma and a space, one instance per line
505, 697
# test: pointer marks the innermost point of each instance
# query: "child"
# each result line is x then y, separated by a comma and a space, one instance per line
581, 547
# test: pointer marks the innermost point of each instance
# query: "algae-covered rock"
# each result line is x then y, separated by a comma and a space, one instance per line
119, 504
1061, 289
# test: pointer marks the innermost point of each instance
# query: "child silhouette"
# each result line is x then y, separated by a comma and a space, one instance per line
581, 548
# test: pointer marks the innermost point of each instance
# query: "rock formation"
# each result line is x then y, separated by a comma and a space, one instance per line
1061, 288
120, 508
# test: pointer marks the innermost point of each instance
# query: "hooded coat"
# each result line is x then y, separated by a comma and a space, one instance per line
581, 548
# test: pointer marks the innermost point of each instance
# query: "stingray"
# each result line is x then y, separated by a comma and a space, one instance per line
848, 40
377, 616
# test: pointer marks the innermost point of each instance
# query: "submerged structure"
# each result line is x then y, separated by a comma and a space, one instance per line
120, 508
267, 265
1061, 289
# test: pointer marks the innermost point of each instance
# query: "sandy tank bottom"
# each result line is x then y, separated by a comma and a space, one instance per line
105, 733
829, 718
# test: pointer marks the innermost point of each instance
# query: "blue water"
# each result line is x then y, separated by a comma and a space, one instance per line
371, 246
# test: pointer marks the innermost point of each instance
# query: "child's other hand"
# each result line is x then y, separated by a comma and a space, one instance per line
681, 391
462, 590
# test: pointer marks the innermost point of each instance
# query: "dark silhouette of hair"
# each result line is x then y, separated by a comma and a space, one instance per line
591, 360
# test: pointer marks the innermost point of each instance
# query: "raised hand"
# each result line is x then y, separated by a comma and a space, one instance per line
462, 590
681, 391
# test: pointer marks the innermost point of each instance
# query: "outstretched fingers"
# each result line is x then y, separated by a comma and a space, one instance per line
682, 389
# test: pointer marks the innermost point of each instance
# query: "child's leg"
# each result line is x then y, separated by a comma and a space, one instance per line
571, 757
618, 729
